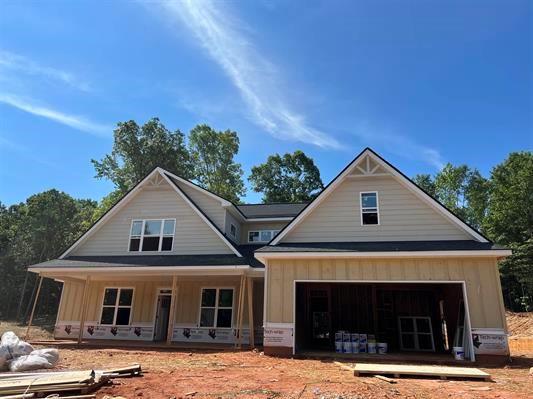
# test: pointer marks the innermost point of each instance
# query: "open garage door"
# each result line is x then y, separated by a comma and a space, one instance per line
408, 317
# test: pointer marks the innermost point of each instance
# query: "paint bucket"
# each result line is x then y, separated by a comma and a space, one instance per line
355, 342
338, 342
371, 347
459, 353
346, 343
382, 348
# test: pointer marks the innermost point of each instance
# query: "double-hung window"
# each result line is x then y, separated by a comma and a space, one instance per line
116, 307
153, 235
262, 235
216, 307
369, 208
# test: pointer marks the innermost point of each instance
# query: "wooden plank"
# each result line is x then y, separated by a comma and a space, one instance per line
386, 379
83, 312
241, 312
251, 311
26, 337
432, 371
344, 366
173, 304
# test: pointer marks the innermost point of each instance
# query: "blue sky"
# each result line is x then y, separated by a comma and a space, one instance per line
421, 82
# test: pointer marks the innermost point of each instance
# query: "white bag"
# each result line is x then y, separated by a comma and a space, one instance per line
15, 345
50, 354
29, 362
5, 356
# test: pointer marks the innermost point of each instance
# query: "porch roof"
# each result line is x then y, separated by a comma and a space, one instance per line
128, 261
382, 246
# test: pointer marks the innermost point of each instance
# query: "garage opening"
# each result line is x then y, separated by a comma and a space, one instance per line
403, 317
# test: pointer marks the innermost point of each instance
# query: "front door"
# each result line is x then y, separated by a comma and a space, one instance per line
161, 317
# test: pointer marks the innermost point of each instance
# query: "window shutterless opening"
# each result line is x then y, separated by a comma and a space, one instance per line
216, 308
369, 208
261, 235
116, 306
152, 235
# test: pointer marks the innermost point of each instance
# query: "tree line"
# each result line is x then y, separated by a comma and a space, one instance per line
43, 226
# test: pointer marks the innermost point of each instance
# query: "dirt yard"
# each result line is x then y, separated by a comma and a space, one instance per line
249, 374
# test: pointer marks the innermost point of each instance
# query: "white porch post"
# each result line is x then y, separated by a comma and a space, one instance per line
173, 301
251, 311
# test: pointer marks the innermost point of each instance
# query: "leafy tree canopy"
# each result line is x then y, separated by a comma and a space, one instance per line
288, 178
139, 149
510, 216
213, 155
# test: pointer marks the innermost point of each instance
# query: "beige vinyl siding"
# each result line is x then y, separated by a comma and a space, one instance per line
192, 234
402, 216
480, 274
210, 206
230, 219
144, 298
256, 226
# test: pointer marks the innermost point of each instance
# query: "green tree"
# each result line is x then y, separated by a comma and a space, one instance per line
35, 231
139, 149
288, 178
510, 215
461, 189
517, 277
213, 154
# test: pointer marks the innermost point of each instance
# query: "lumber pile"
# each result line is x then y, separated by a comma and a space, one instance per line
21, 385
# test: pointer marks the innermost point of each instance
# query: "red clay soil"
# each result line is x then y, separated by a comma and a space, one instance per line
520, 324
175, 374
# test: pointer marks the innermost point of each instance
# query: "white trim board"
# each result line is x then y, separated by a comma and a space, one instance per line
384, 254
399, 177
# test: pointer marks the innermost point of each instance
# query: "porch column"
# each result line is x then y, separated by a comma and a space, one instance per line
251, 311
171, 316
26, 337
240, 310
83, 313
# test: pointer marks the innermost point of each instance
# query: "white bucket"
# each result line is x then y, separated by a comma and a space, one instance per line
338, 342
371, 347
382, 348
459, 353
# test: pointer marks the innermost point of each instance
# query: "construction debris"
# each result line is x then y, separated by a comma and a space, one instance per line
18, 355
82, 382
442, 372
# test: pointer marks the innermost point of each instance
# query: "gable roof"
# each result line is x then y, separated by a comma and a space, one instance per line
400, 177
133, 192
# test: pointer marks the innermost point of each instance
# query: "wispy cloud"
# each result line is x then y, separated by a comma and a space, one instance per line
398, 144
20, 64
250, 72
75, 121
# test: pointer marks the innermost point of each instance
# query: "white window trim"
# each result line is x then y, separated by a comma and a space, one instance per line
273, 233
230, 233
161, 235
361, 207
216, 307
116, 305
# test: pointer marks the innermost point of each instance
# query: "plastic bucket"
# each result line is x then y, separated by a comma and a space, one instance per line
459, 353
371, 347
382, 348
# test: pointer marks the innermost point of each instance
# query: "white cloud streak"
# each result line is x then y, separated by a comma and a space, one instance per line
75, 121
20, 64
250, 72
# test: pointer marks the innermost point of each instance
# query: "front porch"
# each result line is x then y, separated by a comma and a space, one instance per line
171, 308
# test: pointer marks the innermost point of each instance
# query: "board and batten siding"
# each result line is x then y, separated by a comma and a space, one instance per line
144, 299
480, 274
192, 235
402, 216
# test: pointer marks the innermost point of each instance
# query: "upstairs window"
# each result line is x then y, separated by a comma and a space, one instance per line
116, 307
262, 235
216, 308
369, 208
233, 230
153, 235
